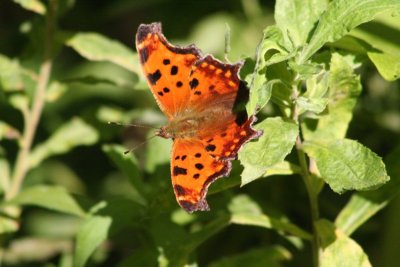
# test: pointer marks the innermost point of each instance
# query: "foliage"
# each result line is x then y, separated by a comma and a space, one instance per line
324, 85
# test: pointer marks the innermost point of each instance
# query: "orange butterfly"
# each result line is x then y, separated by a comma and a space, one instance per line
198, 94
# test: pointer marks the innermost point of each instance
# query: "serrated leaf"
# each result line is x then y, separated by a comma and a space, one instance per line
269, 51
388, 65
70, 135
296, 19
32, 5
262, 256
108, 218
364, 205
245, 211
339, 249
128, 164
346, 164
271, 148
344, 88
342, 16
96, 47
50, 197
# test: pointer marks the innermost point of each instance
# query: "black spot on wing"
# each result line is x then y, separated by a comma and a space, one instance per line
166, 90
210, 147
174, 70
197, 155
196, 176
193, 83
154, 77
179, 84
199, 166
179, 171
166, 61
184, 157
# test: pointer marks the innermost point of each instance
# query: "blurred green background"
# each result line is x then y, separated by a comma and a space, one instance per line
100, 91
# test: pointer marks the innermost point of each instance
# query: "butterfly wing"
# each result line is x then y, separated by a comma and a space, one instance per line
166, 67
193, 169
217, 89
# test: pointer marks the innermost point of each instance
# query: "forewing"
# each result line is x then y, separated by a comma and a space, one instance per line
166, 67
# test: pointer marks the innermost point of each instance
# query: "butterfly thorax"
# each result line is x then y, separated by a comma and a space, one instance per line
191, 124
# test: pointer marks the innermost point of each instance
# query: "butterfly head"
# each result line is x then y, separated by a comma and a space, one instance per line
164, 133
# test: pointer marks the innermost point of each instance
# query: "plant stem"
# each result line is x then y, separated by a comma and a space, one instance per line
32, 118
310, 187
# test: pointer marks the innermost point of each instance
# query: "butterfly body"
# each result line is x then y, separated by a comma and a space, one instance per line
199, 96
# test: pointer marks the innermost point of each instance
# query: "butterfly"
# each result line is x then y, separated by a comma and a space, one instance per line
198, 95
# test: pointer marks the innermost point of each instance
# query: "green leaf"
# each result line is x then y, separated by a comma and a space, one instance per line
128, 164
296, 19
50, 197
32, 5
245, 211
10, 74
344, 88
282, 168
364, 205
388, 65
8, 225
109, 218
271, 148
262, 256
55, 91
91, 234
339, 249
270, 51
158, 153
96, 47
73, 133
342, 16
346, 164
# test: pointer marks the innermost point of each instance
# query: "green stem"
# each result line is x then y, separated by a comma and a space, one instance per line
309, 183
33, 116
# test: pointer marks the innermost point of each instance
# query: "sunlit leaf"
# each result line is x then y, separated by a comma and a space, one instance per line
346, 164
340, 17
296, 19
50, 197
96, 47
72, 134
339, 249
271, 148
32, 5
388, 65
364, 205
245, 211
344, 88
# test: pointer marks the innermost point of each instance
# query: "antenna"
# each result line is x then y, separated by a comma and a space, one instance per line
131, 125
138, 145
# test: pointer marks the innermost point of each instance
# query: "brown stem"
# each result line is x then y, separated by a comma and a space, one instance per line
33, 116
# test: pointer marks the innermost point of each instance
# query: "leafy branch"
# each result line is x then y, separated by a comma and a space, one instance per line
32, 117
